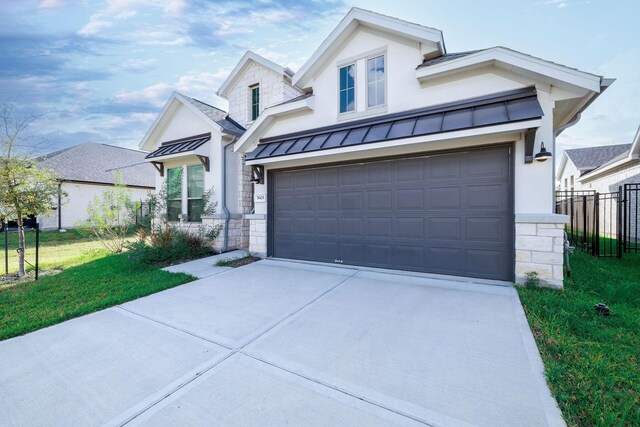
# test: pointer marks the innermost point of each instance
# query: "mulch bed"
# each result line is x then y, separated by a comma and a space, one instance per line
242, 261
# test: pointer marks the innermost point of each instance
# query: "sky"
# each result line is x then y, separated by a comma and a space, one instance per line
100, 71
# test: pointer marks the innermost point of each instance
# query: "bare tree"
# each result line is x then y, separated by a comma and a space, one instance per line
25, 189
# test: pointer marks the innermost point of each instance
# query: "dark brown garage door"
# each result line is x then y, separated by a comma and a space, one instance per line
445, 213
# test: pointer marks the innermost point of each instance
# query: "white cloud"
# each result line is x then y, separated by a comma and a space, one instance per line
155, 95
50, 4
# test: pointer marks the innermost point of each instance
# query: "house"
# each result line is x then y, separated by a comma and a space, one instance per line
84, 171
602, 169
384, 150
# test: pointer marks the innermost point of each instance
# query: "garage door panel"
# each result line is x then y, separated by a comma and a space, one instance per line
379, 173
305, 225
353, 201
379, 227
443, 260
412, 228
410, 199
445, 228
328, 202
446, 214
486, 230
327, 226
487, 196
351, 175
444, 198
444, 167
380, 200
327, 179
485, 263
410, 170
409, 256
305, 202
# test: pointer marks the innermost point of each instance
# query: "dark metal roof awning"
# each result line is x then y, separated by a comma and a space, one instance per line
506, 107
182, 145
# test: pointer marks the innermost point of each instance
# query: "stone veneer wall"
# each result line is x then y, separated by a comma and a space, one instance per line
258, 231
237, 237
540, 247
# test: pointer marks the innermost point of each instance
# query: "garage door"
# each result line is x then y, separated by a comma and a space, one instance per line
446, 214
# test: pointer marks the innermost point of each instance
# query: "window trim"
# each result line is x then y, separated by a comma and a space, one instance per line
353, 64
386, 74
174, 199
252, 88
188, 198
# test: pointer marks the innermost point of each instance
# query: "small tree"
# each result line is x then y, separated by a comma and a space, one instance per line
25, 189
112, 215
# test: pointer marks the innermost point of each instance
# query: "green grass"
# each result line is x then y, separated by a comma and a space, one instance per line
79, 290
592, 362
57, 250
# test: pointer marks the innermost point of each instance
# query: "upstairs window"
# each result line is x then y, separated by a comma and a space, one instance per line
347, 88
174, 193
195, 191
375, 82
255, 102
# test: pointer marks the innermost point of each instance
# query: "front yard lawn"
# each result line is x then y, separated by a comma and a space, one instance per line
57, 250
592, 362
79, 290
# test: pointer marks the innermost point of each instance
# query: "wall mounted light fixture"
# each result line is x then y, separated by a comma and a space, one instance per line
543, 155
257, 174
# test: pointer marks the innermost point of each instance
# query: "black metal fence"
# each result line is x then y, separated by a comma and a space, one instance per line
603, 224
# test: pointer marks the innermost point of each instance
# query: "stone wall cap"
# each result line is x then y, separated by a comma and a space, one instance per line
255, 216
222, 216
542, 218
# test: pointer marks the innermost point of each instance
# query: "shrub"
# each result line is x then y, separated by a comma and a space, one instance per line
169, 244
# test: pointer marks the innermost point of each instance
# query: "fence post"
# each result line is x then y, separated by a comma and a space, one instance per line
6, 246
584, 221
37, 248
624, 218
619, 221
596, 235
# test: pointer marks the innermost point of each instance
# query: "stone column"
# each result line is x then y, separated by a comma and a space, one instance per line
258, 234
540, 247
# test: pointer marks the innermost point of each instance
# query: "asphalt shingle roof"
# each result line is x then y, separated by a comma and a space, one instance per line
590, 158
92, 162
218, 116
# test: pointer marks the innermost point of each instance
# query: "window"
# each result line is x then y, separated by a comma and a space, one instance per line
174, 193
195, 191
255, 102
571, 182
375, 82
566, 184
348, 88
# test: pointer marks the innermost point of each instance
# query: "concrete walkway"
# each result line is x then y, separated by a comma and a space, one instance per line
276, 343
205, 267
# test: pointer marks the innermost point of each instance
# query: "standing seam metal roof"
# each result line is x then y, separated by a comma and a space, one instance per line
181, 145
500, 108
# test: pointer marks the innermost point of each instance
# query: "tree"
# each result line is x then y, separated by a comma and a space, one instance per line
112, 215
25, 189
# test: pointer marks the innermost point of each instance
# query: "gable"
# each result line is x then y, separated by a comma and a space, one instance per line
176, 121
429, 40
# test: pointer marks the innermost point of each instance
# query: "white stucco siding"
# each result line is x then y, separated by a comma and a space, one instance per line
183, 123
563, 181
76, 203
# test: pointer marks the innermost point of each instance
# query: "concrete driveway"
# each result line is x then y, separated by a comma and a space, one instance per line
276, 343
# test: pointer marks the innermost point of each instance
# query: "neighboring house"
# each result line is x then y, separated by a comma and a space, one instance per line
602, 169
386, 151
85, 171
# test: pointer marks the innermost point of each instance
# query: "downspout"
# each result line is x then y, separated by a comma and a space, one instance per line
227, 214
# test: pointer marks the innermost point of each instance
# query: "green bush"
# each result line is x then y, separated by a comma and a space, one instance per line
169, 244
